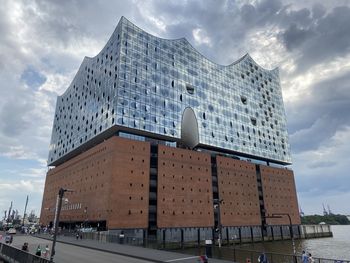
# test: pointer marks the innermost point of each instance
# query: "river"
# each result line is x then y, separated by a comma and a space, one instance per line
337, 247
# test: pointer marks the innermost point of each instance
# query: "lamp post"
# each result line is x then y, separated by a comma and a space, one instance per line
290, 227
60, 195
279, 215
86, 219
217, 203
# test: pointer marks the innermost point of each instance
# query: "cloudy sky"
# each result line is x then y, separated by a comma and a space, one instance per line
42, 44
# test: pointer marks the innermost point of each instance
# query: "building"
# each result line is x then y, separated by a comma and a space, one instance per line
150, 134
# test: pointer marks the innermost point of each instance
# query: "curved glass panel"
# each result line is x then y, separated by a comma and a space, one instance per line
144, 83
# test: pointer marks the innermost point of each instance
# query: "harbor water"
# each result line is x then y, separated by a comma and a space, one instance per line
337, 247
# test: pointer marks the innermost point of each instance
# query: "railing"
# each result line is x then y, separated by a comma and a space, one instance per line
12, 254
234, 254
231, 253
240, 255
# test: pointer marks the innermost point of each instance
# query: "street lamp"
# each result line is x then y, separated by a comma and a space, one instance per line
280, 215
217, 203
60, 195
290, 227
86, 218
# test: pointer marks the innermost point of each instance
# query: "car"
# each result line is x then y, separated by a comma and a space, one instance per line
11, 231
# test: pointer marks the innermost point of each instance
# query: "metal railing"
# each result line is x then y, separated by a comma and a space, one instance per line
236, 254
12, 254
240, 255
231, 253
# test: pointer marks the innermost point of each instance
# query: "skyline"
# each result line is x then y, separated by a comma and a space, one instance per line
44, 43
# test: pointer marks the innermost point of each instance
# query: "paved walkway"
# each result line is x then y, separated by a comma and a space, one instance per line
136, 252
73, 254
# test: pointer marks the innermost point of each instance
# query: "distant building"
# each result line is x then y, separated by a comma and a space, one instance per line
150, 132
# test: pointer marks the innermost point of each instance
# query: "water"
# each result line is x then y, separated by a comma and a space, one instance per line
336, 247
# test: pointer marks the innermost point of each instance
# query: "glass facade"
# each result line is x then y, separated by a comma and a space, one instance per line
143, 83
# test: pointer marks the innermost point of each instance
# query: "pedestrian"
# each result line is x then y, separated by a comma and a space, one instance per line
304, 258
81, 236
310, 259
25, 247
47, 252
38, 251
11, 239
203, 259
263, 258
77, 236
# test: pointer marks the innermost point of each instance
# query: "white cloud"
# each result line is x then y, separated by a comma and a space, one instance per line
201, 37
17, 190
30, 186
322, 174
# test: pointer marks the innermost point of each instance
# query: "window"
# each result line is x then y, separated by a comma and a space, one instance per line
190, 89
244, 100
253, 120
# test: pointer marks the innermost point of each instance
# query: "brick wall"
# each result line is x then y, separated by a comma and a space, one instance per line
184, 196
237, 186
110, 182
279, 194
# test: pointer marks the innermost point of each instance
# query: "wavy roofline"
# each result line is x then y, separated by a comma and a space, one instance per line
246, 56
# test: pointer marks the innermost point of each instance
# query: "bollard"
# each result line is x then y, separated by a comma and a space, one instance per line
208, 248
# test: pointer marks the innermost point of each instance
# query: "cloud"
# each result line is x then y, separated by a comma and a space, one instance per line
320, 38
17, 190
23, 185
323, 173
32, 78
201, 37
324, 110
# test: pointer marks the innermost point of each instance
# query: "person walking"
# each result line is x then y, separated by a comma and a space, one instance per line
203, 259
263, 258
304, 258
47, 252
38, 251
25, 247
310, 259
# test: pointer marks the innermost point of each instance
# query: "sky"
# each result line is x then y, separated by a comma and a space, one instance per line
43, 42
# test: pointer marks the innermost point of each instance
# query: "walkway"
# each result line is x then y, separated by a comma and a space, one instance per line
68, 249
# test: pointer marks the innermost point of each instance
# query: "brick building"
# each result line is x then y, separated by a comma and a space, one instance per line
150, 135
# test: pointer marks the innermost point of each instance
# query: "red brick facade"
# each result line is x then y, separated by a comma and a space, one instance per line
185, 197
111, 183
279, 195
237, 185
